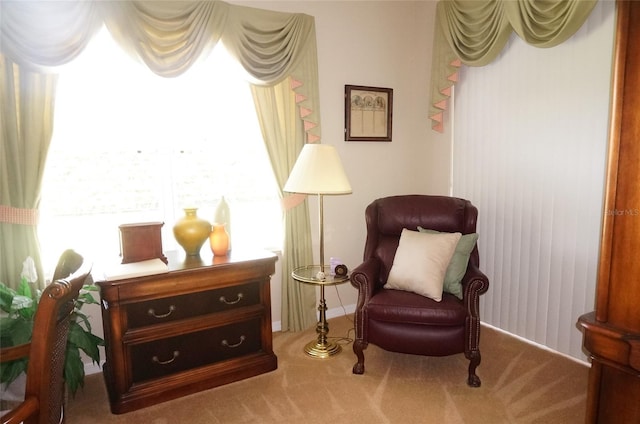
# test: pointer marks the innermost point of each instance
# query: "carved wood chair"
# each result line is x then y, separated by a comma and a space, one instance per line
406, 322
44, 399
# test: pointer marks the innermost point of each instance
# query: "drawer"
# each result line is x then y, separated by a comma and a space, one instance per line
173, 308
168, 356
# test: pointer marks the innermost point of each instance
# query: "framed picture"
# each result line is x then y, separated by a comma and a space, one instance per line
367, 113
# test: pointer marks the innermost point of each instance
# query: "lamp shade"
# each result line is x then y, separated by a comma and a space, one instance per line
318, 170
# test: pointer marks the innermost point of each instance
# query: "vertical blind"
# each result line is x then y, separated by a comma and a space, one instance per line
529, 150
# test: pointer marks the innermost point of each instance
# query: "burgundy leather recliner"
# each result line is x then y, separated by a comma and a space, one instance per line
401, 321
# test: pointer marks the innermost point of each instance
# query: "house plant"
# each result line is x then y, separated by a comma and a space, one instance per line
18, 308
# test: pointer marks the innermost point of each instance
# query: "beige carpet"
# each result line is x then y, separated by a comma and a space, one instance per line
520, 384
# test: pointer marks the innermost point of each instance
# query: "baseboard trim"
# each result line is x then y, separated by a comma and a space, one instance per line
331, 313
92, 368
541, 346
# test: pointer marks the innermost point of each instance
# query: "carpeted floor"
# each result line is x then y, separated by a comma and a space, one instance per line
520, 384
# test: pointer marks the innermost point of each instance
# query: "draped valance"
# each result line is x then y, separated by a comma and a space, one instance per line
169, 37
474, 32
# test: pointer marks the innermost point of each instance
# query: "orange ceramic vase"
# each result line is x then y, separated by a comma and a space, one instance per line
219, 240
191, 231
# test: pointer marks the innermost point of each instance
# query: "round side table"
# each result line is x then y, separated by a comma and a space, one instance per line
320, 276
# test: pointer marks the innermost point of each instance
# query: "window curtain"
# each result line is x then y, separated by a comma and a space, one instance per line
26, 124
474, 32
276, 113
169, 37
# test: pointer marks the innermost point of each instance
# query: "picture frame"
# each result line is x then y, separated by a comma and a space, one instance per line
368, 113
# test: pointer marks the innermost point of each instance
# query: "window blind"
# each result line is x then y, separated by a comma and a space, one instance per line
529, 150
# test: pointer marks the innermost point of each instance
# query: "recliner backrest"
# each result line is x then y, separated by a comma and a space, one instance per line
388, 216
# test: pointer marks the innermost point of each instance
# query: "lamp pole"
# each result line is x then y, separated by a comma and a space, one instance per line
321, 275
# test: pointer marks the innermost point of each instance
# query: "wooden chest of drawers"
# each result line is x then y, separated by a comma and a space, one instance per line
205, 323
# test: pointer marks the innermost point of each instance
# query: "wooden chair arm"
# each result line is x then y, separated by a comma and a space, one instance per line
21, 412
12, 353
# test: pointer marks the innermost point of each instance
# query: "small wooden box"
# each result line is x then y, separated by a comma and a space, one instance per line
141, 242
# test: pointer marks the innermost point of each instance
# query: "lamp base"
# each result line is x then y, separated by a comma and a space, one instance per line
320, 350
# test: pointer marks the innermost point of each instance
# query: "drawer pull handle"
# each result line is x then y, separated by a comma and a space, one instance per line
226, 343
223, 299
152, 312
168, 361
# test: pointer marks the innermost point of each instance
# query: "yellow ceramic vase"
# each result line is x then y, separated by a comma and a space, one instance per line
191, 231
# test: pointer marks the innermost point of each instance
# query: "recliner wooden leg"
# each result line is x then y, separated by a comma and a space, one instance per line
358, 348
474, 360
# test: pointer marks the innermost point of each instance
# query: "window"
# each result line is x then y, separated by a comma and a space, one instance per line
130, 146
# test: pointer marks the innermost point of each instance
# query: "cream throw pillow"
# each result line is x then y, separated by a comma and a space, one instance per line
421, 262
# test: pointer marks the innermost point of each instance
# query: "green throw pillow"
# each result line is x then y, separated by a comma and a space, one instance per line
458, 265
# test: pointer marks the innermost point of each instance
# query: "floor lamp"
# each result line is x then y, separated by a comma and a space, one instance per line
318, 171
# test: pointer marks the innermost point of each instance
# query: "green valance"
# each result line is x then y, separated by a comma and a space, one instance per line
474, 32
169, 37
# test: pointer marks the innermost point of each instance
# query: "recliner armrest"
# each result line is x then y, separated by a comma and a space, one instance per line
474, 283
476, 277
364, 277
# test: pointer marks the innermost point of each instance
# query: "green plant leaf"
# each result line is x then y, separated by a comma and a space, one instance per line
6, 329
23, 304
6, 298
87, 299
87, 342
89, 288
73, 370
82, 320
9, 371
24, 289
18, 331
